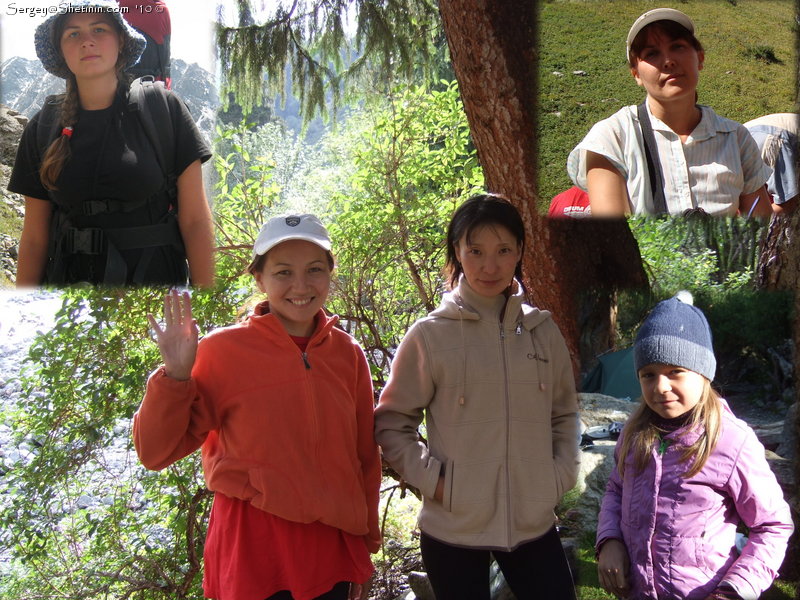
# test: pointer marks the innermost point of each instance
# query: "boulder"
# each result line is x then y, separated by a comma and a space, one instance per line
599, 409
784, 471
597, 461
788, 443
770, 434
11, 125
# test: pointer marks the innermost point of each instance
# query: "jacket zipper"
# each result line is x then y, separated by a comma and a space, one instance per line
508, 431
314, 418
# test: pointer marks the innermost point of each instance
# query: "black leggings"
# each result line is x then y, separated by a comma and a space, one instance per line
536, 570
339, 592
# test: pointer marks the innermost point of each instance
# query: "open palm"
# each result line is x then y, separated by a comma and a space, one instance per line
177, 340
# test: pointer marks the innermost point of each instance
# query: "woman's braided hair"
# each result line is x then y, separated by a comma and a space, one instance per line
57, 154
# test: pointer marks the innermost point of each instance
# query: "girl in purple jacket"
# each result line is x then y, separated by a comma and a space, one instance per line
688, 472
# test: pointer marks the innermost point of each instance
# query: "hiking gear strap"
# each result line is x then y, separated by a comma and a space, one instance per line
653, 163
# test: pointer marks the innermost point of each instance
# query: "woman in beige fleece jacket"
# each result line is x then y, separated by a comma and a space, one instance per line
493, 379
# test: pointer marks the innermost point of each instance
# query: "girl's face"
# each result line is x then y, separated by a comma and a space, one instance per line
668, 69
489, 258
90, 45
669, 390
296, 278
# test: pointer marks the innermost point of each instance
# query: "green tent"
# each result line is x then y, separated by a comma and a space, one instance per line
614, 376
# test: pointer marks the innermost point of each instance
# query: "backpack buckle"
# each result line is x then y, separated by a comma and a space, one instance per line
101, 206
84, 241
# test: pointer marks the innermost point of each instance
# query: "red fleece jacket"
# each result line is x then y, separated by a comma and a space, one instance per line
291, 433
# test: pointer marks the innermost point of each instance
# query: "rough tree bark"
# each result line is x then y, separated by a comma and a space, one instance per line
493, 50
779, 269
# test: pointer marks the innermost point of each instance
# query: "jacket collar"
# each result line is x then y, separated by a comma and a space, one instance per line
464, 303
262, 317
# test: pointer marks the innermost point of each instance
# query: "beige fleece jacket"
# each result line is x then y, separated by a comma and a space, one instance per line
501, 416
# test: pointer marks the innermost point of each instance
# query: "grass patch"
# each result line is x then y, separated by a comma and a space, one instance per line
590, 36
763, 53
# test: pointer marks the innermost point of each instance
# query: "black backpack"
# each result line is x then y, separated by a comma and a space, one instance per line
148, 99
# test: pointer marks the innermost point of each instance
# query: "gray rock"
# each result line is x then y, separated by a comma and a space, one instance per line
599, 409
421, 586
788, 443
784, 471
596, 464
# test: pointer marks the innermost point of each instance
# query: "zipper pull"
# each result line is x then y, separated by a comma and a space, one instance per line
305, 360
518, 329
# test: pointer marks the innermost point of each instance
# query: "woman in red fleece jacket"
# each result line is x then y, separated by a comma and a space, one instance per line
281, 405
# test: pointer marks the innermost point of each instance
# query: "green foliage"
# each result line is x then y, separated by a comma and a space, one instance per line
140, 534
81, 526
413, 164
392, 38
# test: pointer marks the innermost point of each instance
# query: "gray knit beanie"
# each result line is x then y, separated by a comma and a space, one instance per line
676, 333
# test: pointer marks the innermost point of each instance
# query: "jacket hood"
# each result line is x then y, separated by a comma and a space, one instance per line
464, 303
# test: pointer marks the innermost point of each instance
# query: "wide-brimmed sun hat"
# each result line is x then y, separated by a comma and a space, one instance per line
48, 49
651, 16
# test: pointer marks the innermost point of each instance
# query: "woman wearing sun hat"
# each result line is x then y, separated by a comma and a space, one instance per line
99, 205
698, 160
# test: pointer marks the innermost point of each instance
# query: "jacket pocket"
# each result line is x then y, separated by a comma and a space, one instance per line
559, 484
447, 497
473, 495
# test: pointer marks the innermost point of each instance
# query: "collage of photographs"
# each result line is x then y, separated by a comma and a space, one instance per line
399, 300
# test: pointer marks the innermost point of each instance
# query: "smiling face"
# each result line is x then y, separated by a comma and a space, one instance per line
667, 68
489, 255
670, 391
296, 278
90, 44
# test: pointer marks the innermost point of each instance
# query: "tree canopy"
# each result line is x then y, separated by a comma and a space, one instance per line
331, 45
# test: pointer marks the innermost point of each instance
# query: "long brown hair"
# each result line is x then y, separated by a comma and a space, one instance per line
58, 153
641, 434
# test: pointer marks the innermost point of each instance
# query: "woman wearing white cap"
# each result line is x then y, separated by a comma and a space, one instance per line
670, 154
281, 405
113, 185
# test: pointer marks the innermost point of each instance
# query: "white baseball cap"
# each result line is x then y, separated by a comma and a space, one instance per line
651, 16
291, 227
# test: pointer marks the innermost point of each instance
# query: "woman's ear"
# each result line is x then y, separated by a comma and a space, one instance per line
258, 276
635, 74
701, 57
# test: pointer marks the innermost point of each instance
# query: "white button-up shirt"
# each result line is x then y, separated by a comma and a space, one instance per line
716, 164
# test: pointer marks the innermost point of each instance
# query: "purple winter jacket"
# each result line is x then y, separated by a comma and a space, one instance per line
680, 533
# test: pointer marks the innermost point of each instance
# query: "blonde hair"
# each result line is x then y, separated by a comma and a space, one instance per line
641, 434
58, 152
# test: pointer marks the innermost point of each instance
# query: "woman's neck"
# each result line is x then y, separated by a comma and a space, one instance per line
97, 94
681, 115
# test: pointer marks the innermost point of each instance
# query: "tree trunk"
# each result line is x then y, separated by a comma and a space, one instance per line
493, 51
779, 269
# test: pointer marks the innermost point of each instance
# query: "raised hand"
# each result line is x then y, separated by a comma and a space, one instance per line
177, 341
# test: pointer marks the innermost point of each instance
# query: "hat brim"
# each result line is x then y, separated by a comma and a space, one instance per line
650, 17
323, 243
49, 51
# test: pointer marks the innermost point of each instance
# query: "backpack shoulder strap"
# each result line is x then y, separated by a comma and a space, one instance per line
49, 125
148, 98
653, 163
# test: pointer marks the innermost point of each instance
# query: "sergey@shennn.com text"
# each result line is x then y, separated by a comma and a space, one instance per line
18, 8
